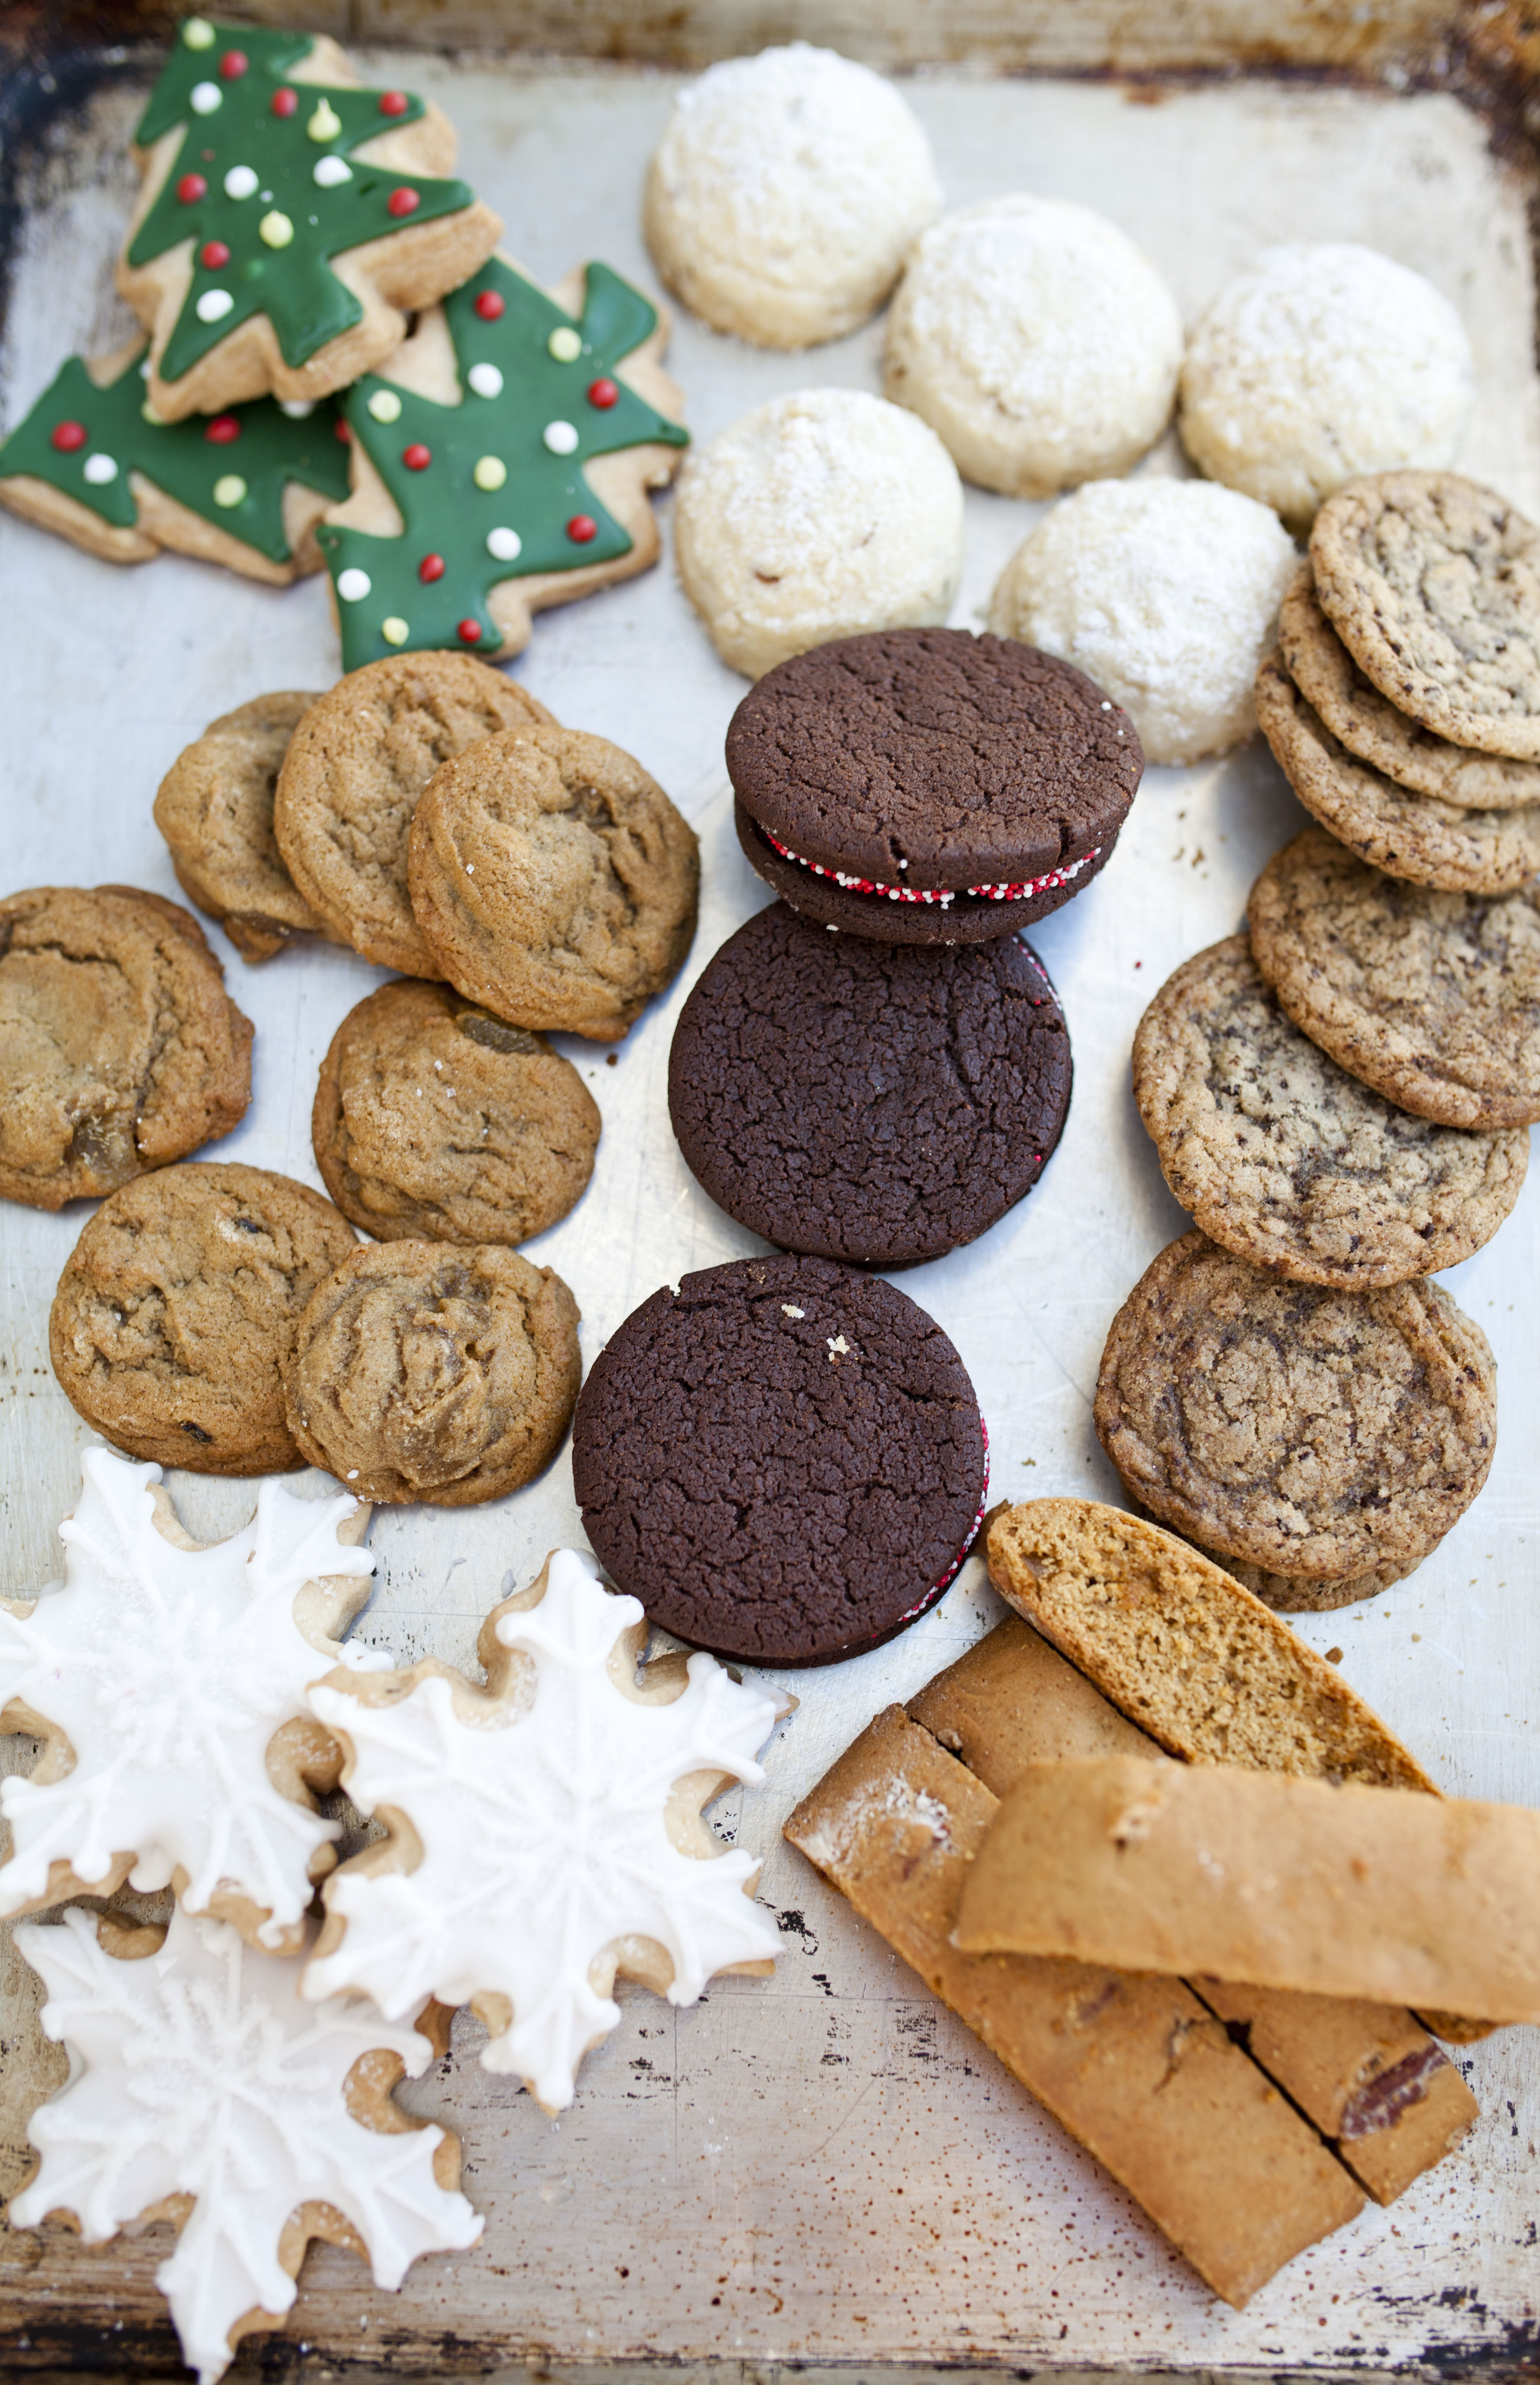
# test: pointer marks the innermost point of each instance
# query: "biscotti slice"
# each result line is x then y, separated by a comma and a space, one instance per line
1368, 2077
1326, 1887
1136, 2069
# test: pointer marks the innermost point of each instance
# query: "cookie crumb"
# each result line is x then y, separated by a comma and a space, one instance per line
1334, 1656
786, 1310
840, 1348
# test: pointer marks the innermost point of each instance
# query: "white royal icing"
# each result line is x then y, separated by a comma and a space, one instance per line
544, 1840
199, 2071
169, 1670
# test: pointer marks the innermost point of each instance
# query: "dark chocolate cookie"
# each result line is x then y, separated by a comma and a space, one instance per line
929, 786
863, 1101
783, 1460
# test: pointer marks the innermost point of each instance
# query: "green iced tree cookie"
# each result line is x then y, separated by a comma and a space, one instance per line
493, 489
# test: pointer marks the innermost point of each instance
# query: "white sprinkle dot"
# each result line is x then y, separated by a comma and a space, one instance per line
330, 171
298, 410
560, 438
239, 182
214, 305
353, 585
505, 545
99, 470
486, 380
205, 98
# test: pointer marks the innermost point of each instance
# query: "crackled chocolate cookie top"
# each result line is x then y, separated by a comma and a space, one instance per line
783, 1460
179, 1304
1301, 1429
214, 810
865, 1102
119, 1048
1433, 999
1289, 1161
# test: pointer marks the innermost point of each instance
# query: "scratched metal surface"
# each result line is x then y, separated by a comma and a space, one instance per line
824, 2167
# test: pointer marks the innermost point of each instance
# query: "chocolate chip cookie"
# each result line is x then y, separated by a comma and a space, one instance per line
1355, 711
1290, 1162
1432, 584
1432, 999
350, 782
119, 1048
435, 1121
420, 1371
1317, 1434
178, 1306
214, 810
783, 1460
555, 881
867, 1102
1409, 836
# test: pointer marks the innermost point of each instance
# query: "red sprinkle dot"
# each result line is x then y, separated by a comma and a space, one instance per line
602, 393
393, 103
285, 100
343, 430
222, 429
431, 567
416, 458
233, 65
404, 201
469, 634
67, 436
488, 305
214, 254
191, 187
581, 527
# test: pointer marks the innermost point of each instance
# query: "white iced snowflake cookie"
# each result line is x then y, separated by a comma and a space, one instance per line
1319, 362
545, 1831
816, 516
168, 1681
785, 194
203, 2090
1164, 592
1038, 341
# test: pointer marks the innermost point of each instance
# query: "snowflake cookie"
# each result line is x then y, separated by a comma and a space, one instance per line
168, 1681
203, 2091
545, 1831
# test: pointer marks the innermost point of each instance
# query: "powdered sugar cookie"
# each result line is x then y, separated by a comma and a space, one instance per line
287, 217
785, 192
816, 516
1324, 360
1038, 341
545, 1831
1164, 592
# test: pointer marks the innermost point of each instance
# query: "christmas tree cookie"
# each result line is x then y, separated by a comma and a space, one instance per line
287, 217
502, 463
94, 461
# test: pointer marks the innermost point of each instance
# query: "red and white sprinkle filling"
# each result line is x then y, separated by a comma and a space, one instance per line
956, 1566
1015, 892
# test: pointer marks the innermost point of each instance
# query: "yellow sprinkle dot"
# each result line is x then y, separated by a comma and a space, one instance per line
564, 345
198, 33
147, 410
395, 631
326, 124
228, 488
276, 229
385, 406
491, 473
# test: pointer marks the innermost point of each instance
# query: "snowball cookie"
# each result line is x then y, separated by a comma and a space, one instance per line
1319, 363
785, 194
1164, 592
817, 517
1038, 341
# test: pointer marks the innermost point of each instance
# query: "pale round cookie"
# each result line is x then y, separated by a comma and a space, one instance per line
1322, 360
1038, 341
785, 194
818, 516
1409, 836
214, 810
1164, 592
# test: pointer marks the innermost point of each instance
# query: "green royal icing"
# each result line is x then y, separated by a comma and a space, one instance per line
447, 512
270, 449
289, 278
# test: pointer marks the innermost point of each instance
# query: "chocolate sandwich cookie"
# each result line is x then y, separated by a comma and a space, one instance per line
929, 787
867, 1102
783, 1459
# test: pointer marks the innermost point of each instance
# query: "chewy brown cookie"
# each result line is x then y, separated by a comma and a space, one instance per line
1289, 1161
119, 1048
350, 782
1407, 835
555, 881
423, 1373
178, 1305
1432, 999
1355, 711
434, 1120
1432, 584
214, 810
1315, 1433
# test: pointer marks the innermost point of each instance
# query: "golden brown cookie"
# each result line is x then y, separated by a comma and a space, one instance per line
119, 1048
1316, 1433
434, 1120
426, 1372
214, 810
350, 782
178, 1305
554, 880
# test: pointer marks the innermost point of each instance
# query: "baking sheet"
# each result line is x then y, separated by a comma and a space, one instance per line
825, 2167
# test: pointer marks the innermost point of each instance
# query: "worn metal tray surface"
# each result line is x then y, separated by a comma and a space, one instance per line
824, 2167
